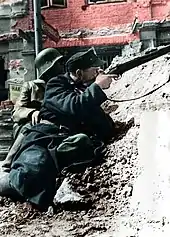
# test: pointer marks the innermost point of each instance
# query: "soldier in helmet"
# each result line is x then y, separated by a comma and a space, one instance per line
49, 63
71, 119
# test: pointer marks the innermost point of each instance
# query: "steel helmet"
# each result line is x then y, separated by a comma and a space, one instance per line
46, 59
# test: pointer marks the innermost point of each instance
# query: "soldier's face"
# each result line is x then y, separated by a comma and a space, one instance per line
90, 74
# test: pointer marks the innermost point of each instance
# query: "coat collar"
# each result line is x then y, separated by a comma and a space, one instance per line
77, 84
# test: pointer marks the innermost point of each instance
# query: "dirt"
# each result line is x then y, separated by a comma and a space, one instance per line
106, 189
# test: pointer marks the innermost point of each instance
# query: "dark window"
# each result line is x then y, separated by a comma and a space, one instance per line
104, 1
91, 1
61, 3
44, 3
53, 3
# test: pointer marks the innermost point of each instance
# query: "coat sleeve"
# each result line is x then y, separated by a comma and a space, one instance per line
60, 97
85, 107
22, 108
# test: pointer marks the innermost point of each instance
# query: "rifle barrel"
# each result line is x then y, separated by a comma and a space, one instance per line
121, 68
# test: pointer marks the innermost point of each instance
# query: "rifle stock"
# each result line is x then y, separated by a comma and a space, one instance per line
119, 69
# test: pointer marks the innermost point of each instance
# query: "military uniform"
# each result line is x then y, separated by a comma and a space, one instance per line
31, 97
71, 119
30, 100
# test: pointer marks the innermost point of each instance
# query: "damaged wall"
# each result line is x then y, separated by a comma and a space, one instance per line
16, 49
82, 24
111, 23
11, 8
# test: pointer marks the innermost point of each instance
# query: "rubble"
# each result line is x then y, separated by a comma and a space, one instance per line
108, 186
65, 194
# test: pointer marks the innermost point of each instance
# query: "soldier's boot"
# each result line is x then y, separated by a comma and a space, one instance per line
6, 165
5, 187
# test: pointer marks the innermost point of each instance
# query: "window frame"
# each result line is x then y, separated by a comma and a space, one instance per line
97, 2
51, 4
104, 1
48, 5
57, 5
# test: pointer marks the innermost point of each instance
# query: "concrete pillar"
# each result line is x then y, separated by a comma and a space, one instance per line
28, 55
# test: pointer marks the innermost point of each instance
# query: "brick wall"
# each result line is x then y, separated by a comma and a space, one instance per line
94, 19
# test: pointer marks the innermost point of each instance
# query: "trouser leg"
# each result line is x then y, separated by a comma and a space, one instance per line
9, 158
5, 187
19, 132
74, 151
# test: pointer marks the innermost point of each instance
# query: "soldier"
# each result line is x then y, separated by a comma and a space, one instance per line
72, 128
49, 63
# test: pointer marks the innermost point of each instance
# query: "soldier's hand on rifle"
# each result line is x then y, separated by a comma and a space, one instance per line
35, 117
104, 80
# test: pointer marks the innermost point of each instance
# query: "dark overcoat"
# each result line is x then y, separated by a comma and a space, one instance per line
48, 148
72, 105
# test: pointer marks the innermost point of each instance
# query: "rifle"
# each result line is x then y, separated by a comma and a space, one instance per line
119, 69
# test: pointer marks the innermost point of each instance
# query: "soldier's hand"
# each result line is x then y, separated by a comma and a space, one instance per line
35, 117
104, 80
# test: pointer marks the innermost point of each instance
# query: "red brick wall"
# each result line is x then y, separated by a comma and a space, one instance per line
98, 16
